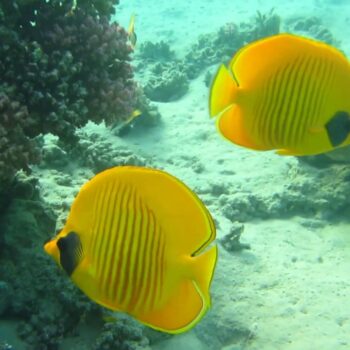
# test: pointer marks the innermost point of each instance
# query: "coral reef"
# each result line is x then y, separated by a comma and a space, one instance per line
16, 149
71, 66
149, 117
231, 241
311, 26
155, 52
121, 335
320, 195
82, 63
167, 83
98, 154
223, 333
220, 47
167, 77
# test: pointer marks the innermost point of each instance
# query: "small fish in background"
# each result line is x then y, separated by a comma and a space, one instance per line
131, 31
135, 114
137, 240
121, 129
284, 92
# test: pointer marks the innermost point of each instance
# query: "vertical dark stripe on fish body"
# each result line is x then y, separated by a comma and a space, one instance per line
270, 117
141, 268
316, 99
101, 230
112, 279
110, 235
120, 245
105, 230
295, 114
281, 112
148, 263
271, 132
153, 266
136, 268
305, 92
311, 94
100, 219
325, 84
145, 282
156, 296
259, 106
264, 104
94, 226
128, 271
132, 254
288, 109
162, 266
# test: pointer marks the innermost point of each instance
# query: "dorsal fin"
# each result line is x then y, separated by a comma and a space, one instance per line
265, 55
71, 252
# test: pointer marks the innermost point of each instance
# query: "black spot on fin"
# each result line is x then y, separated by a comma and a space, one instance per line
338, 128
71, 252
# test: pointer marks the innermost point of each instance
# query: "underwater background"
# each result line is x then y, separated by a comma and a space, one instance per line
69, 81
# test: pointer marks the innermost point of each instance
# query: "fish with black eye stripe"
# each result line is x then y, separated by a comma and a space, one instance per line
285, 93
139, 240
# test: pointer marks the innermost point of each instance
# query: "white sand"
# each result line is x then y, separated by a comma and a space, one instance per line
291, 290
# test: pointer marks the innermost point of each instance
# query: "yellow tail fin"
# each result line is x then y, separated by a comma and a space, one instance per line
222, 92
203, 271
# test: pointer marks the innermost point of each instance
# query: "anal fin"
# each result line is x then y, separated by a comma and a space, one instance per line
287, 152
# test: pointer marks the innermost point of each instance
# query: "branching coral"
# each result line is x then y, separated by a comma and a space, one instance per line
16, 149
69, 69
168, 77
123, 335
71, 66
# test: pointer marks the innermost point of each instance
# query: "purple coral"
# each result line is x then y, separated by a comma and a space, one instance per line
69, 69
102, 69
16, 149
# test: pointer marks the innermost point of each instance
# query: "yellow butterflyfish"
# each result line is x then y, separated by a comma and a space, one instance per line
138, 240
284, 92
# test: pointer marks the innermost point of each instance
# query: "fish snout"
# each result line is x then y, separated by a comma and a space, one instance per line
51, 248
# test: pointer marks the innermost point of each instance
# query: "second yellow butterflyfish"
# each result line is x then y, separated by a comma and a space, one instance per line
284, 92
137, 240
